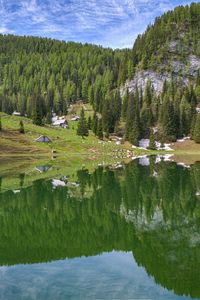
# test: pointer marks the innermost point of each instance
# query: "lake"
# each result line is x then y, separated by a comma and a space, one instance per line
121, 232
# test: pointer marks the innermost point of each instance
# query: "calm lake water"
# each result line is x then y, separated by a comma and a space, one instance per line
130, 233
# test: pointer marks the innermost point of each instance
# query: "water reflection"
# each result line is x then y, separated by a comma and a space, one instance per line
151, 210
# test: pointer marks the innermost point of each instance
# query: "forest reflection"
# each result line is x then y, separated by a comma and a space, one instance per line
152, 211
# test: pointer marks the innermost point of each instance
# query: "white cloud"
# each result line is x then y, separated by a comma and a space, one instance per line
4, 30
114, 23
29, 6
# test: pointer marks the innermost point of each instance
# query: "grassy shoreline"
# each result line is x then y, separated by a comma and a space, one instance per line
18, 149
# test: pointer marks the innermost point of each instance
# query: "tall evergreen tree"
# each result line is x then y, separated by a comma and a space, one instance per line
167, 120
152, 142
129, 117
21, 127
125, 105
49, 117
82, 128
89, 123
37, 114
100, 129
133, 120
95, 123
196, 135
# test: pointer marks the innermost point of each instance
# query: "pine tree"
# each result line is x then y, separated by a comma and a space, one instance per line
100, 129
129, 117
196, 135
162, 142
164, 89
197, 93
37, 115
107, 134
198, 78
167, 120
152, 142
116, 106
193, 125
107, 117
124, 105
95, 124
89, 123
185, 116
82, 129
130, 70
134, 135
91, 94
148, 94
49, 118
145, 119
21, 127
133, 120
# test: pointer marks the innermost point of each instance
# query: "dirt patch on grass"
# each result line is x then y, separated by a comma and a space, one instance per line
187, 152
186, 159
93, 150
13, 143
187, 146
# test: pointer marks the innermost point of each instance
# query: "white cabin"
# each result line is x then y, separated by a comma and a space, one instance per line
75, 118
198, 110
16, 113
60, 123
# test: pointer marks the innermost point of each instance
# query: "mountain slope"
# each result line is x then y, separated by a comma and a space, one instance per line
38, 76
56, 73
170, 48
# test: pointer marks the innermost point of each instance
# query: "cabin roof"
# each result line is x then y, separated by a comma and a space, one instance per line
16, 113
44, 139
42, 169
59, 122
75, 118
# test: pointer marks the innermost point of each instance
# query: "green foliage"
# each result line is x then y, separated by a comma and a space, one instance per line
100, 129
64, 218
198, 78
82, 128
49, 117
37, 118
0, 124
133, 120
152, 142
21, 127
38, 76
59, 73
167, 120
152, 47
196, 134
95, 123
125, 105
89, 122
197, 92
162, 141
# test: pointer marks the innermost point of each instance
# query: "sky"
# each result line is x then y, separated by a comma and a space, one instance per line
110, 23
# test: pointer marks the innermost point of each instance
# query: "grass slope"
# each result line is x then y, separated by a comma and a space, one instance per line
64, 141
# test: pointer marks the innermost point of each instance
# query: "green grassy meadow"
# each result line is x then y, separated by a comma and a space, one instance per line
20, 153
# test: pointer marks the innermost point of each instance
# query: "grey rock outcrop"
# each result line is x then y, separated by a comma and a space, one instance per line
142, 77
183, 69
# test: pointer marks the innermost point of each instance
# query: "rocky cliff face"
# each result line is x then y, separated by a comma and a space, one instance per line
142, 77
173, 67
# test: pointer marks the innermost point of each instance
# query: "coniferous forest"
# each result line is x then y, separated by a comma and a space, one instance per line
40, 75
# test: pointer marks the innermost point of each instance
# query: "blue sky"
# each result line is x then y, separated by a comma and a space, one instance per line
113, 23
